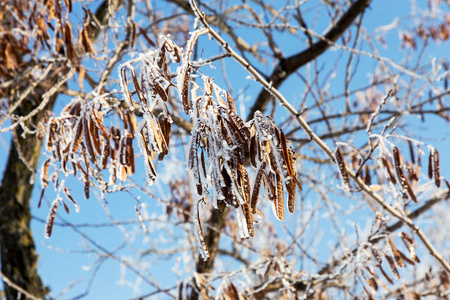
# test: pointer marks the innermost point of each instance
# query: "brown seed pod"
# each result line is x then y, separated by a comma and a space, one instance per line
248, 218
66, 192
51, 218
230, 102
293, 161
430, 165
77, 137
376, 255
105, 154
391, 264
279, 205
397, 255
436, 170
201, 235
385, 275
160, 91
406, 187
51, 133
388, 167
342, 167
253, 151
44, 173
162, 55
290, 187
87, 139
257, 186
129, 157
185, 90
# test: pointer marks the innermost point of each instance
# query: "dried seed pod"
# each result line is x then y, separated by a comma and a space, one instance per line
201, 236
160, 91
342, 167
252, 151
192, 150
411, 152
376, 255
185, 90
436, 170
257, 186
105, 154
388, 167
230, 102
409, 244
406, 259
385, 275
367, 178
430, 165
162, 55
93, 133
78, 136
227, 190
87, 139
51, 133
397, 255
44, 173
293, 161
401, 176
248, 218
279, 205
202, 158
290, 187
124, 85
373, 283
66, 192
51, 218
391, 264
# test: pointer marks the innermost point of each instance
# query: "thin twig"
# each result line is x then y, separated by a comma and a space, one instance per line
18, 288
268, 86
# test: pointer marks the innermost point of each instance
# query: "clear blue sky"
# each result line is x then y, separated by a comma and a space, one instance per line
59, 269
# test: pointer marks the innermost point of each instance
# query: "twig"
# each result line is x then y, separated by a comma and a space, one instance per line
268, 86
18, 288
45, 100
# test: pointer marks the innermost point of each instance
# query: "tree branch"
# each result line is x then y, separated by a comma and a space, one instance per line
364, 187
289, 65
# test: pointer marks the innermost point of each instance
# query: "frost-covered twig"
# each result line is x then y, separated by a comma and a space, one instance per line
407, 221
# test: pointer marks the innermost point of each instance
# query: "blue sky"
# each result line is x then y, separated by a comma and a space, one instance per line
59, 268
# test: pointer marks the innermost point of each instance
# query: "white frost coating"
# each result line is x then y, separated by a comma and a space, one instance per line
51, 217
122, 83
203, 250
242, 223
43, 184
149, 175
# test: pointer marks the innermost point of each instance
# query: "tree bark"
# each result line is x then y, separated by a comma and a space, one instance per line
18, 255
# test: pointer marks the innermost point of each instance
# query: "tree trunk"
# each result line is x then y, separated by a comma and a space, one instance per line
18, 255
212, 238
